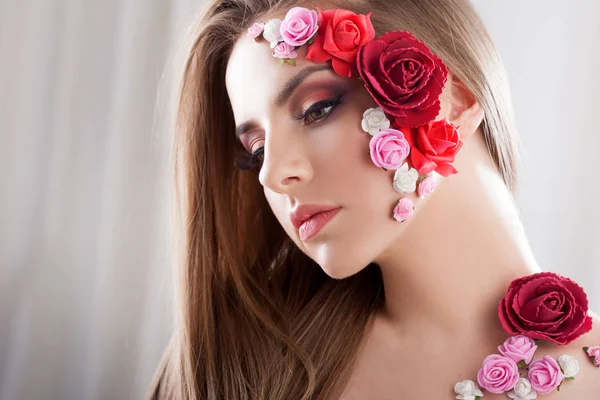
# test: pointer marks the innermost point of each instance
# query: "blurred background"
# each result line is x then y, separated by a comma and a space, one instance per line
84, 236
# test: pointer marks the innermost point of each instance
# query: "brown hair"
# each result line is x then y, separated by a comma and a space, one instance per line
257, 318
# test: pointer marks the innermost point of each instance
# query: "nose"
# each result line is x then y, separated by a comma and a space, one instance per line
286, 162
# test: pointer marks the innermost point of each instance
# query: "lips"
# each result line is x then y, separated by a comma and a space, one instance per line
304, 212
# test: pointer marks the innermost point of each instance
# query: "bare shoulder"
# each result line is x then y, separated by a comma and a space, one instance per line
586, 384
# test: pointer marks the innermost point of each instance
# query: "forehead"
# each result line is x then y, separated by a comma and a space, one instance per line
253, 77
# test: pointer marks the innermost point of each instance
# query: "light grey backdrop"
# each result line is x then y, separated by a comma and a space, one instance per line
84, 293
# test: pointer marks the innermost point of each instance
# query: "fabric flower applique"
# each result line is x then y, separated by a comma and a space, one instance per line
374, 120
272, 32
520, 348
256, 30
522, 391
341, 34
285, 53
545, 306
299, 26
404, 209
498, 374
545, 375
467, 390
389, 148
405, 179
593, 354
569, 366
426, 187
403, 76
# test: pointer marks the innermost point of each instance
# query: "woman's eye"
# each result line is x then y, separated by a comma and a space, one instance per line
319, 110
319, 114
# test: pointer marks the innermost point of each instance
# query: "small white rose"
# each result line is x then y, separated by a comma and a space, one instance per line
405, 180
569, 365
272, 33
374, 120
522, 391
467, 390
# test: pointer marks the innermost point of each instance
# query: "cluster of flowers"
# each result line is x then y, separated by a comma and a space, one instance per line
550, 308
402, 76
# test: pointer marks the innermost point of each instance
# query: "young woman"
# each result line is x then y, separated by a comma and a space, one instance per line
347, 230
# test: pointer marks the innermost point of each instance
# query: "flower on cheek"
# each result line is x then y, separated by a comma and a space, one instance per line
298, 26
467, 390
374, 120
522, 391
519, 348
405, 179
545, 375
389, 149
426, 187
404, 209
341, 34
272, 32
593, 354
434, 146
569, 366
284, 50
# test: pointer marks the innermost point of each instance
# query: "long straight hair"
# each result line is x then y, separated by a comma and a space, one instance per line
255, 317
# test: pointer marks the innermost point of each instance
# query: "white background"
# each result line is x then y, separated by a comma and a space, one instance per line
84, 283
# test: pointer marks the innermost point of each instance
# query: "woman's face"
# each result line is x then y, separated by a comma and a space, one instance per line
308, 120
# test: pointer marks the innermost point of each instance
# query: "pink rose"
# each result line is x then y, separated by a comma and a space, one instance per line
518, 347
594, 354
389, 149
403, 209
284, 50
256, 29
298, 26
545, 375
498, 374
426, 187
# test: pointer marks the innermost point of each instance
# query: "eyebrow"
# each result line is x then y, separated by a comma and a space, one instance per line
288, 89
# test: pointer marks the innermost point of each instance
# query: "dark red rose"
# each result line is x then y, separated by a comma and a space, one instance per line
545, 306
341, 33
433, 147
403, 76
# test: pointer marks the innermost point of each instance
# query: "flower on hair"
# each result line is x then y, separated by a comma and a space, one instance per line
498, 374
403, 76
299, 26
284, 51
404, 209
426, 187
569, 366
520, 348
374, 120
272, 32
545, 375
593, 354
467, 390
256, 30
342, 34
388, 149
522, 391
405, 179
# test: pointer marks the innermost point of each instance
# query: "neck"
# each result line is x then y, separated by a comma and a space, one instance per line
448, 271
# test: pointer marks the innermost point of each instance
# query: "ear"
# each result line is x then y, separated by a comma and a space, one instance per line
464, 109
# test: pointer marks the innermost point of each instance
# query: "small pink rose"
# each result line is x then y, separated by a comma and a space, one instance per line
404, 209
518, 347
299, 25
597, 361
256, 29
593, 351
498, 374
545, 375
284, 50
389, 149
426, 187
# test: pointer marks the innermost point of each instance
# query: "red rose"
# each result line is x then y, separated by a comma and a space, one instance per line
403, 76
545, 306
433, 147
341, 33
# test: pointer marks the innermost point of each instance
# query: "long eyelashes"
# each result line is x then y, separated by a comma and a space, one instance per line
318, 111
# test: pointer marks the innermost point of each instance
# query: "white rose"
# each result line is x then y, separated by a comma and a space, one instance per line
405, 180
522, 391
374, 119
467, 390
272, 33
569, 365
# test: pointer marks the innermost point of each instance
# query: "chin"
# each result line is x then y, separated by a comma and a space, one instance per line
340, 269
